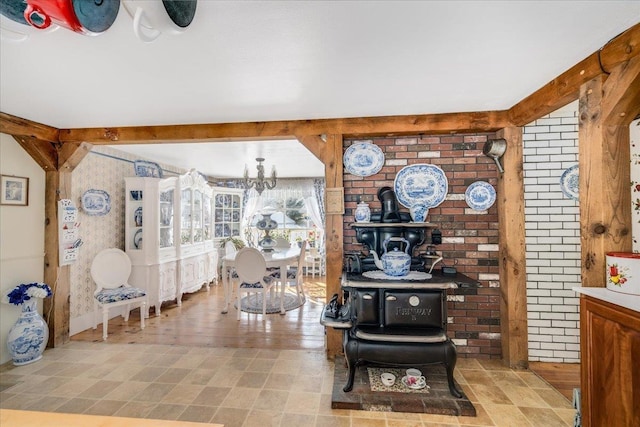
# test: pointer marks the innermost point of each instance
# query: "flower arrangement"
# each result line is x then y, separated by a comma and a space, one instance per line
24, 292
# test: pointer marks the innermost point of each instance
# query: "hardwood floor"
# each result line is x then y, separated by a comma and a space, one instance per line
199, 322
564, 377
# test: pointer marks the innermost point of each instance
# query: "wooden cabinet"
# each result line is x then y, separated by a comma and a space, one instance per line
610, 368
150, 236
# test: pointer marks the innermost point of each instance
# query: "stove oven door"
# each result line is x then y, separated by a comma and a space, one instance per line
414, 309
367, 307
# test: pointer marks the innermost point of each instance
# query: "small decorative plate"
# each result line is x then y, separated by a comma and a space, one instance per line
421, 184
147, 169
96, 202
570, 181
480, 196
363, 159
137, 239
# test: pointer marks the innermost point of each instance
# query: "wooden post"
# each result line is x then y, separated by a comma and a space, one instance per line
330, 152
607, 107
513, 278
56, 308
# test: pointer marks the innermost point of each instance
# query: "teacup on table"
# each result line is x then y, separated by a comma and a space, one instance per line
414, 377
388, 379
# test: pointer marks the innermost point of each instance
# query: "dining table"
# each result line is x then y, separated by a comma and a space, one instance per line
277, 258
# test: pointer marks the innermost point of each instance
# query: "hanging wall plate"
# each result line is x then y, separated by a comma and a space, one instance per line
96, 202
363, 159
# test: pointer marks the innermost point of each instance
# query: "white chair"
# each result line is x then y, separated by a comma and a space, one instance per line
110, 271
314, 260
295, 275
253, 277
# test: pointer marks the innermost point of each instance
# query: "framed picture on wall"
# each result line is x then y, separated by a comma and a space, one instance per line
14, 190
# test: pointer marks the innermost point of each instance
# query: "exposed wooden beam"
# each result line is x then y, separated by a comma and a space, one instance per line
365, 126
621, 102
566, 87
604, 163
512, 255
56, 308
44, 153
16, 126
71, 154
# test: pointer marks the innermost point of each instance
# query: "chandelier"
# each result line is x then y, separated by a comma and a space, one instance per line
259, 183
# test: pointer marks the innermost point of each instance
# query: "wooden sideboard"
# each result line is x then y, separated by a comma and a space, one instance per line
610, 358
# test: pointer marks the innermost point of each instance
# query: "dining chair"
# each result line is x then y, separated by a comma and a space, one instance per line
314, 260
253, 277
295, 275
110, 271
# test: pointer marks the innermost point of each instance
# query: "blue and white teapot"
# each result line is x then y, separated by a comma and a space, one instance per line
394, 263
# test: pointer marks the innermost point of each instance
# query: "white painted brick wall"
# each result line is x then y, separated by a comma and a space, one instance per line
552, 230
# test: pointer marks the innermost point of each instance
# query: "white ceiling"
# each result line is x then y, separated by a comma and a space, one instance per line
284, 60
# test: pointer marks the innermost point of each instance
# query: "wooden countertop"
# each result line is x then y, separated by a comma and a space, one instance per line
15, 418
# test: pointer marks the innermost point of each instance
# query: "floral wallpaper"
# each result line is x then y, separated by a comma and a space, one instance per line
104, 169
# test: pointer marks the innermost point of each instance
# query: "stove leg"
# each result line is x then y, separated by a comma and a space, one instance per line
350, 350
452, 387
450, 364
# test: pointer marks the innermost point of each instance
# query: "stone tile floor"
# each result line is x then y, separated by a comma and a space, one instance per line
251, 387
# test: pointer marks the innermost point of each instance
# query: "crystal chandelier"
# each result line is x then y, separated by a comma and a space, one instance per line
259, 183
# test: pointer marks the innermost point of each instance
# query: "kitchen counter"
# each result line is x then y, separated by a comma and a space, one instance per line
632, 302
609, 369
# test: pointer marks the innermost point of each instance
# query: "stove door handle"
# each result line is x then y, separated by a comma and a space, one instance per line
391, 298
367, 296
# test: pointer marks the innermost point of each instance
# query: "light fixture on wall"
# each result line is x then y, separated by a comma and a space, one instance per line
260, 183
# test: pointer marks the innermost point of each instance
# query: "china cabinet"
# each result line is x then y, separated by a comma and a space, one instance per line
227, 203
196, 249
150, 236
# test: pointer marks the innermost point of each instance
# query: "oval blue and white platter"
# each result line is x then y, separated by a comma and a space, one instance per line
421, 184
480, 196
96, 202
570, 182
145, 168
363, 159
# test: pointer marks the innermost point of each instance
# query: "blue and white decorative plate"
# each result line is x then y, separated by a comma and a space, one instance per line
147, 169
363, 159
421, 184
137, 239
570, 182
96, 202
480, 196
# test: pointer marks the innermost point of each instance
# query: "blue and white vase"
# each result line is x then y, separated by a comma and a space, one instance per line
419, 212
363, 213
28, 337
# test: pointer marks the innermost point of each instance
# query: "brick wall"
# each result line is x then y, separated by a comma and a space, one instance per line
552, 230
470, 238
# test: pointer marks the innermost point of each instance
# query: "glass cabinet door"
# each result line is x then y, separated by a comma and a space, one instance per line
206, 210
166, 219
198, 231
186, 220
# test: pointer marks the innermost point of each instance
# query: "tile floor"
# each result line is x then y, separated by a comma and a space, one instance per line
250, 387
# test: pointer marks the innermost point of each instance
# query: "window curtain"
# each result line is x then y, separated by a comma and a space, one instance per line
311, 190
251, 204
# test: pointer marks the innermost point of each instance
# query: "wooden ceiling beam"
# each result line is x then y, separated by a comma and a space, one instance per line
16, 126
487, 121
44, 153
566, 87
621, 101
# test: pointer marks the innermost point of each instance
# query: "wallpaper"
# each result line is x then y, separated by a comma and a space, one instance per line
104, 169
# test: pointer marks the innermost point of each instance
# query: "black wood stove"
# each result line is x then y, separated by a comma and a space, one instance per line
395, 322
